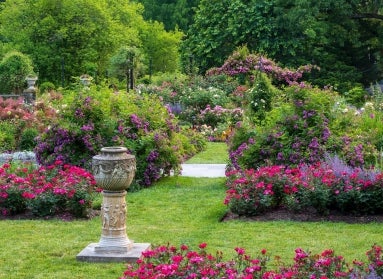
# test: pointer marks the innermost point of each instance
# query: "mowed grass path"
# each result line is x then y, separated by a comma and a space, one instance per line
176, 210
215, 153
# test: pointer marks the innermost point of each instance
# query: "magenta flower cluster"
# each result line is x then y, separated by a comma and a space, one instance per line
149, 132
325, 186
47, 190
237, 65
212, 116
185, 263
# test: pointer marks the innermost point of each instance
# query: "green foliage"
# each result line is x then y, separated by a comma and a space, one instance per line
14, 203
159, 207
98, 117
308, 125
27, 139
46, 204
126, 58
161, 48
356, 96
71, 37
172, 13
260, 97
46, 87
324, 33
14, 68
7, 136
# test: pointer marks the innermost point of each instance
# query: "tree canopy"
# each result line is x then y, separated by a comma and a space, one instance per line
67, 38
344, 38
172, 13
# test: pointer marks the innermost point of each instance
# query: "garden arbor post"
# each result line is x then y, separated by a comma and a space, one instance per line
113, 170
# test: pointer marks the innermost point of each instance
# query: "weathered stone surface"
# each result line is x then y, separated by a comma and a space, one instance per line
89, 254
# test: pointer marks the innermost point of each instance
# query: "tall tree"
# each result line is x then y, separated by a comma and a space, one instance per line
293, 32
172, 13
67, 38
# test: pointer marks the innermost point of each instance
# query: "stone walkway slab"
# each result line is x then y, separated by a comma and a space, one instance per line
203, 170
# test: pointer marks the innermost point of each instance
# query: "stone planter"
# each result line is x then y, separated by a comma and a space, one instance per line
113, 170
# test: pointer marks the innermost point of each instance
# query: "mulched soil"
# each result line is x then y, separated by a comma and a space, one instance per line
285, 215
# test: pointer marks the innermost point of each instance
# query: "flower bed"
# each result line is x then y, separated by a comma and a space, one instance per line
46, 190
324, 186
171, 262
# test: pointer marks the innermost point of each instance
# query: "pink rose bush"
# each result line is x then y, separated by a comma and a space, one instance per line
185, 263
46, 190
323, 186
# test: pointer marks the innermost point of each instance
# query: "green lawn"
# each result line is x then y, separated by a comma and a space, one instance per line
176, 210
215, 153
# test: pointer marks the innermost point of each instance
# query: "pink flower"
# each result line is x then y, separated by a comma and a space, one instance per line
27, 195
240, 251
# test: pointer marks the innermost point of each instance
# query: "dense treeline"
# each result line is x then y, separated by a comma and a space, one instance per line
66, 38
173, 13
344, 38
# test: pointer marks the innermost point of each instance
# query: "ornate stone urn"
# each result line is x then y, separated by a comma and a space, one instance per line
113, 170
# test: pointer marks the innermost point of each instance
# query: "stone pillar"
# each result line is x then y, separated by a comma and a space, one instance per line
113, 213
113, 170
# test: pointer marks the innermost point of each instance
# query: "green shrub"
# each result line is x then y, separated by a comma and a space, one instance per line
45, 191
260, 97
98, 117
356, 96
28, 139
14, 68
327, 186
46, 204
14, 203
46, 87
8, 135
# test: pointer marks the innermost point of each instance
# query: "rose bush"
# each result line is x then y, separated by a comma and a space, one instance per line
46, 190
185, 263
324, 186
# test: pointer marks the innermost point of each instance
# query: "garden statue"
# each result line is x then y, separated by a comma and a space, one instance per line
113, 170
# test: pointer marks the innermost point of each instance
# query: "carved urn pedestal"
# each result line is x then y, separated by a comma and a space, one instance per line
113, 170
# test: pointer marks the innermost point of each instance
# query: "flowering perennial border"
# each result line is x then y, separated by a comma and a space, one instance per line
184, 263
324, 186
47, 190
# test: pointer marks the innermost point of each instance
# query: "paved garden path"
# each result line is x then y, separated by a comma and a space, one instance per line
203, 170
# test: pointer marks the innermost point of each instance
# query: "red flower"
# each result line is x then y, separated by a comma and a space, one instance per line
263, 251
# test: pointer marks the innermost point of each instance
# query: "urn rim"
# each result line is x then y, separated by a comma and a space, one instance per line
114, 149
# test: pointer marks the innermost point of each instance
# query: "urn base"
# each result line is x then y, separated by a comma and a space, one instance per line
89, 254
